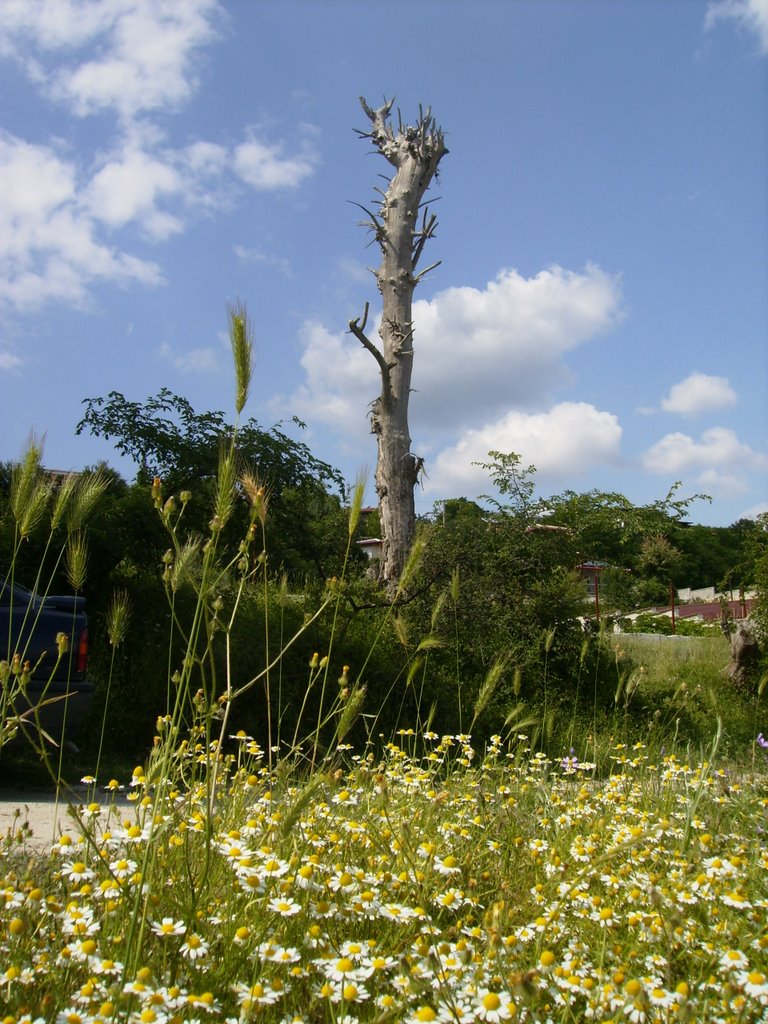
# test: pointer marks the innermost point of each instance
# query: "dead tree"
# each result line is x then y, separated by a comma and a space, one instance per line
745, 654
401, 225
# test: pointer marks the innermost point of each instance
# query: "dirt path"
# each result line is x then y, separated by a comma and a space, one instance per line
46, 816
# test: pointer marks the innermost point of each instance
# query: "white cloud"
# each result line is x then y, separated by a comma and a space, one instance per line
48, 246
145, 50
569, 439
250, 254
263, 166
760, 509
142, 182
130, 187
130, 58
195, 360
481, 351
354, 271
718, 460
341, 379
751, 15
54, 24
51, 212
9, 362
477, 351
698, 393
205, 158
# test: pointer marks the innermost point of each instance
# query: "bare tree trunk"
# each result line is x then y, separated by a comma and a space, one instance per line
745, 654
414, 152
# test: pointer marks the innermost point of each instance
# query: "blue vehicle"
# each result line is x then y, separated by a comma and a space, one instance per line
31, 631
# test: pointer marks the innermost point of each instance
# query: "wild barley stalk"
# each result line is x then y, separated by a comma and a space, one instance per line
455, 589
282, 601
693, 801
62, 499
241, 340
76, 560
492, 679
585, 646
356, 505
549, 639
87, 491
28, 493
351, 707
412, 563
118, 620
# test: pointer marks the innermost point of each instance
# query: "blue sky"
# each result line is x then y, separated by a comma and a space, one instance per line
601, 305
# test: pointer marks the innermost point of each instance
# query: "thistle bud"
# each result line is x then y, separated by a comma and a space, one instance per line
185, 496
62, 642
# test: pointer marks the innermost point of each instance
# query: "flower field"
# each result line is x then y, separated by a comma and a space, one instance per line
431, 882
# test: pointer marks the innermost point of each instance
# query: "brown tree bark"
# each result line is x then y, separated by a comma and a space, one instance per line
401, 226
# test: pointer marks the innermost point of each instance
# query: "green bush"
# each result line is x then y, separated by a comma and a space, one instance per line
647, 622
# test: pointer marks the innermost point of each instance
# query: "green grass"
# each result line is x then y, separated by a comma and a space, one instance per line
668, 658
677, 688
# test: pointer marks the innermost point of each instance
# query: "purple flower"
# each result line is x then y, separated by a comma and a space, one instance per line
570, 764
762, 741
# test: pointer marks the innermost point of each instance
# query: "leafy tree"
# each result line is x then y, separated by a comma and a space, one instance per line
166, 438
658, 563
759, 551
607, 526
503, 591
505, 585
618, 590
716, 556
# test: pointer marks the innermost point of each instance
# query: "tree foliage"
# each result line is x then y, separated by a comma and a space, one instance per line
608, 526
505, 590
719, 556
166, 438
759, 552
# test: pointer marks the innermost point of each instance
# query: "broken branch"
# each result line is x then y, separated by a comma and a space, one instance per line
426, 270
358, 330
